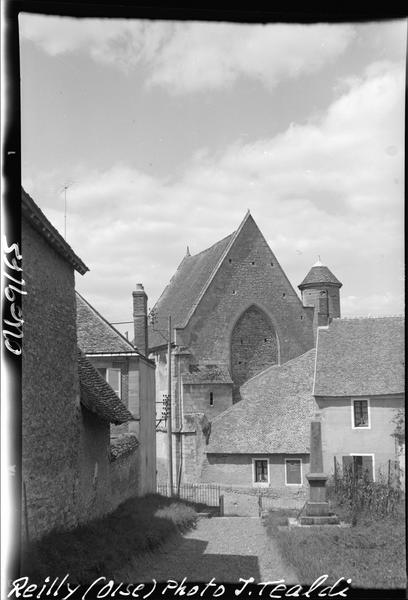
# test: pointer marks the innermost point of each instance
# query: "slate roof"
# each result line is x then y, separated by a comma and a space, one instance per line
361, 357
319, 274
96, 334
185, 287
274, 415
98, 396
122, 445
39, 221
200, 374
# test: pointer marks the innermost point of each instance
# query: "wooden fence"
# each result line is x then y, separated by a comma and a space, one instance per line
200, 493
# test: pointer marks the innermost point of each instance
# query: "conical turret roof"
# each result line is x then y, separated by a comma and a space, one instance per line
319, 274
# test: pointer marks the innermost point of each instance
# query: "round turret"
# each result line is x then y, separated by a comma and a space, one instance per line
321, 289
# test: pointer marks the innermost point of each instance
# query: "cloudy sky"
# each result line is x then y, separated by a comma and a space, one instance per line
167, 132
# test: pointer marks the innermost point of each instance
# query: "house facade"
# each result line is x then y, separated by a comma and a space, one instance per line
131, 375
50, 386
71, 469
234, 314
359, 389
263, 440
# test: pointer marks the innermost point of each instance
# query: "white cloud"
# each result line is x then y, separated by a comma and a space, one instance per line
330, 187
193, 56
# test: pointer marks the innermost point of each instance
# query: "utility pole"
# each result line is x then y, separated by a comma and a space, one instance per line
169, 431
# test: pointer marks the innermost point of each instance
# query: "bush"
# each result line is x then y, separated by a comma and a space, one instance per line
380, 498
104, 545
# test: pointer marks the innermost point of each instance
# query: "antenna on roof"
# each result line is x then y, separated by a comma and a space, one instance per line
64, 188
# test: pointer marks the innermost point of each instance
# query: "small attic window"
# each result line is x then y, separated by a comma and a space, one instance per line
265, 339
271, 264
230, 260
234, 291
283, 295
211, 399
301, 317
253, 262
242, 341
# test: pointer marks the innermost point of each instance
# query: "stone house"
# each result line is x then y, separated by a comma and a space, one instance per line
359, 389
234, 314
108, 472
354, 379
70, 470
131, 375
263, 440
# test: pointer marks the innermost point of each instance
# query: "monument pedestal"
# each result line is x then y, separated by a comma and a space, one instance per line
317, 510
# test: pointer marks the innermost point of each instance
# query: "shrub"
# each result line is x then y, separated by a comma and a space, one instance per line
380, 498
103, 545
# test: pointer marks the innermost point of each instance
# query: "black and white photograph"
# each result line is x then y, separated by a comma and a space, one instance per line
203, 310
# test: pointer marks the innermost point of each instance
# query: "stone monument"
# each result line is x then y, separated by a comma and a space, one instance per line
317, 510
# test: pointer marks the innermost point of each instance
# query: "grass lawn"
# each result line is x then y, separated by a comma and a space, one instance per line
371, 553
104, 545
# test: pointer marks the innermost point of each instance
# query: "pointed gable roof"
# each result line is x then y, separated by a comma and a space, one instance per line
188, 285
274, 414
96, 334
361, 357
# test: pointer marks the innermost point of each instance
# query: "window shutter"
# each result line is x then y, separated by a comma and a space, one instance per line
293, 471
368, 467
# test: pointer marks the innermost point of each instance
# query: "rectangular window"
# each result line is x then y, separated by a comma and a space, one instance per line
261, 470
113, 378
359, 465
293, 471
360, 414
211, 399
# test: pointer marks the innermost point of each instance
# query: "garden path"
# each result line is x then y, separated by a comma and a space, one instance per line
226, 548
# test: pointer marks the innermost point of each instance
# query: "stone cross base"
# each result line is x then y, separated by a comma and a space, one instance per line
320, 520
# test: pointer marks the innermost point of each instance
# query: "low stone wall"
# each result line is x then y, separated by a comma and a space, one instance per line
248, 501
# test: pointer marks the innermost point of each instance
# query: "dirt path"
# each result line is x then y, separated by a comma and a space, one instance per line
225, 548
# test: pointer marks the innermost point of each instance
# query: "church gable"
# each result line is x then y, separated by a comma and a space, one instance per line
248, 274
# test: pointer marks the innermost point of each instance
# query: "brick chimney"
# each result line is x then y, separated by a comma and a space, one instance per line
140, 319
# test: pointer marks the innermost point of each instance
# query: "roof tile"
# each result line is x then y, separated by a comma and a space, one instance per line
98, 396
95, 333
185, 287
361, 357
319, 274
274, 415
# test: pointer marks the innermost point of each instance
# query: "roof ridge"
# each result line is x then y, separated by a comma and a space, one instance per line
279, 366
233, 236
209, 247
356, 318
40, 221
107, 323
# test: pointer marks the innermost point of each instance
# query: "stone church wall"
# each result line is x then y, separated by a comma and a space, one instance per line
249, 275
